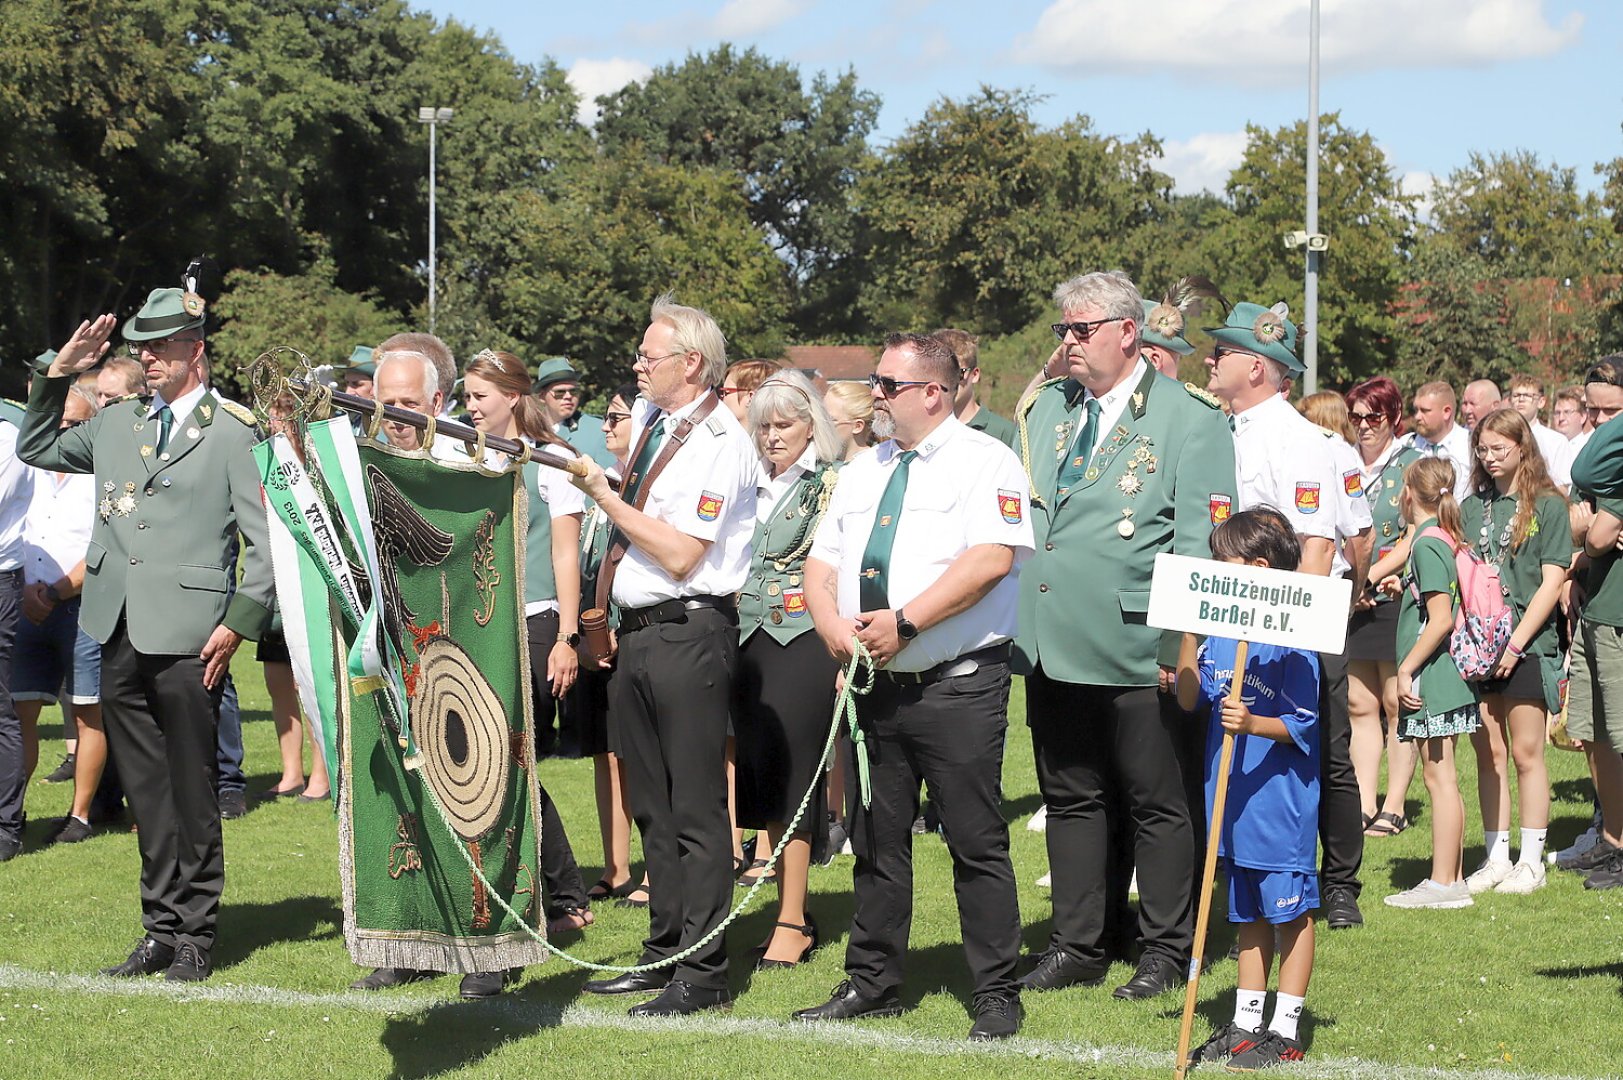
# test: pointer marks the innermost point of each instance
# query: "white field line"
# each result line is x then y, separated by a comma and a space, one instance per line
535, 1014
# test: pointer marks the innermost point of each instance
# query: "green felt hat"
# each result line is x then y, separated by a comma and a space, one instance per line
1264, 331
361, 362
555, 369
1163, 326
166, 312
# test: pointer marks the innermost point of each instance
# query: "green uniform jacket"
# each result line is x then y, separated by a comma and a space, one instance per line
162, 538
1169, 460
774, 597
996, 426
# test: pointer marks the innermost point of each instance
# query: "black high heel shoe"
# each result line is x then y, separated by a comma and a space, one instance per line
810, 930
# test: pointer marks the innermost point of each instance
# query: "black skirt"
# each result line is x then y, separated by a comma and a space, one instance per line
1373, 634
272, 648
1526, 681
783, 703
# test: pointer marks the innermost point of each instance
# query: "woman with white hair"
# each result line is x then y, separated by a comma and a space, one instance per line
784, 693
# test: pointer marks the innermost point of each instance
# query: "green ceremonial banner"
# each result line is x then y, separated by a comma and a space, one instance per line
439, 808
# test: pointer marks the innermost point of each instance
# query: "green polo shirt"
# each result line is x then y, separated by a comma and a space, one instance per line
1548, 543
996, 426
1605, 589
1431, 570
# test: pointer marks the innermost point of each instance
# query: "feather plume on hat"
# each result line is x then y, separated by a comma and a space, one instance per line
1186, 298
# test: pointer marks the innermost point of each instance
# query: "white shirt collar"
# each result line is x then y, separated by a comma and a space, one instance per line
1260, 411
181, 407
943, 432
1111, 399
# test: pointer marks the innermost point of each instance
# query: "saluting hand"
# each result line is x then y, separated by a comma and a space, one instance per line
877, 632
217, 654
84, 349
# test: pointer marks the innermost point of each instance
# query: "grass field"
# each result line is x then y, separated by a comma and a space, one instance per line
1516, 986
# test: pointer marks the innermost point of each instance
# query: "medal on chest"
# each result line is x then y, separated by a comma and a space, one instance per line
126, 502
105, 509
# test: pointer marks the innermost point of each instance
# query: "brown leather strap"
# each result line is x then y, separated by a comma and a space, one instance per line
618, 544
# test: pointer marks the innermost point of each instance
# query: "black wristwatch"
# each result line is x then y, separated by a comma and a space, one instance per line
904, 627
572, 640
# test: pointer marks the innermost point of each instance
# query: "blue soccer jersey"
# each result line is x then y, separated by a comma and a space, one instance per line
1272, 817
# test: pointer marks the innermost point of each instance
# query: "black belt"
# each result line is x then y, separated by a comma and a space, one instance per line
674, 611
948, 669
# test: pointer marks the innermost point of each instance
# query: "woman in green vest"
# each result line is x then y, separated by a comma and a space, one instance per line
784, 693
496, 386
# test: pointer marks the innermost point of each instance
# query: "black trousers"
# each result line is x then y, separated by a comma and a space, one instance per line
1341, 812
560, 877
161, 724
950, 734
12, 782
1099, 746
668, 702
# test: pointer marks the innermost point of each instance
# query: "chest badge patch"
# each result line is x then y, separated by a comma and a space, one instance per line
794, 603
1307, 497
1352, 482
1009, 505
1221, 507
710, 505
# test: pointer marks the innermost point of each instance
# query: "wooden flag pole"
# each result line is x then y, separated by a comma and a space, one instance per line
1209, 877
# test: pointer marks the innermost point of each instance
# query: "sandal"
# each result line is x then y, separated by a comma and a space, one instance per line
630, 900
1386, 824
749, 877
604, 891
568, 918
1369, 819
809, 930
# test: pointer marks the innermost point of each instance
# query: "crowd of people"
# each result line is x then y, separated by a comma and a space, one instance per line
762, 529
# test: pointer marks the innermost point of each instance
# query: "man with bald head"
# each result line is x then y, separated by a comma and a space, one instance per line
1480, 398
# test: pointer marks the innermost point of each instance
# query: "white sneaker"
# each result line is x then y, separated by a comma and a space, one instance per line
1523, 879
1487, 876
1039, 820
1046, 881
1429, 894
1580, 846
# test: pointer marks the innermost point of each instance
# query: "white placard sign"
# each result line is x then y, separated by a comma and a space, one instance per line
1204, 596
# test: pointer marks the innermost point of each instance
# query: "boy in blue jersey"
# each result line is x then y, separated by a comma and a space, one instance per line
1271, 822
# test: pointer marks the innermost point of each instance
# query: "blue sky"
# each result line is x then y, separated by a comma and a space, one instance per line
1432, 80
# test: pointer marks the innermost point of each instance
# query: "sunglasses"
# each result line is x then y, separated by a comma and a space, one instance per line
1082, 331
613, 418
1366, 418
889, 387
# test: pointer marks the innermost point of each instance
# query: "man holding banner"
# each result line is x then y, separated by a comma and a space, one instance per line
1124, 464
177, 481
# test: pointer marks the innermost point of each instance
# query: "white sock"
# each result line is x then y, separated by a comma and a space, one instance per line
1287, 1014
1532, 846
1498, 844
86, 821
1248, 1008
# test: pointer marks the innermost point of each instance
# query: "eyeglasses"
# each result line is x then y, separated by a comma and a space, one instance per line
1081, 330
613, 418
1494, 453
1362, 419
889, 387
1525, 395
647, 362
158, 347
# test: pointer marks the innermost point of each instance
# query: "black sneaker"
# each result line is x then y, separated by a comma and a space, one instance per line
1593, 859
1226, 1041
233, 804
61, 774
10, 848
72, 831
997, 1016
1269, 1051
1341, 908
1609, 874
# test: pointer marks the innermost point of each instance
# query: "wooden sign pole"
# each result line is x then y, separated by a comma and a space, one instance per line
1209, 877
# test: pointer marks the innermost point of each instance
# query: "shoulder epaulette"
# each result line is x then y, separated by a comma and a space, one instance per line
241, 412
1030, 399
716, 426
1203, 396
1326, 432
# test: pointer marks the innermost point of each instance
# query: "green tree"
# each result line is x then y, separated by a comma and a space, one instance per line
1452, 321
798, 151
975, 212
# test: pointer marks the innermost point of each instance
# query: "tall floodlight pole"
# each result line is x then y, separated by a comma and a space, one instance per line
434, 118
1315, 252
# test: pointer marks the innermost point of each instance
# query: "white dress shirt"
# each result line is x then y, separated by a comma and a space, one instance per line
708, 493
1558, 453
56, 532
1283, 460
1352, 508
15, 488
1456, 447
770, 490
964, 488
1111, 404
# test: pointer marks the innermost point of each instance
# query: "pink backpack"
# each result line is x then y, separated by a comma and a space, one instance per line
1483, 621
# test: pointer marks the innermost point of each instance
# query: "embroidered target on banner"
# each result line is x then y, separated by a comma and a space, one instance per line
462, 731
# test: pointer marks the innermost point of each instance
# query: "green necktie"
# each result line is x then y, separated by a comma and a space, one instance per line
645, 461
874, 581
165, 419
1070, 473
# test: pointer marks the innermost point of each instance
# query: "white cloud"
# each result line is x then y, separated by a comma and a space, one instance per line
1202, 163
1265, 41
746, 18
592, 78
1419, 183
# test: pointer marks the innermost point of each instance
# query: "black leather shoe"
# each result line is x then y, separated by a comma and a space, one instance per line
478, 985
191, 964
233, 804
1341, 908
848, 1003
10, 848
1057, 968
635, 983
997, 1016
385, 977
1155, 975
149, 958
680, 998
